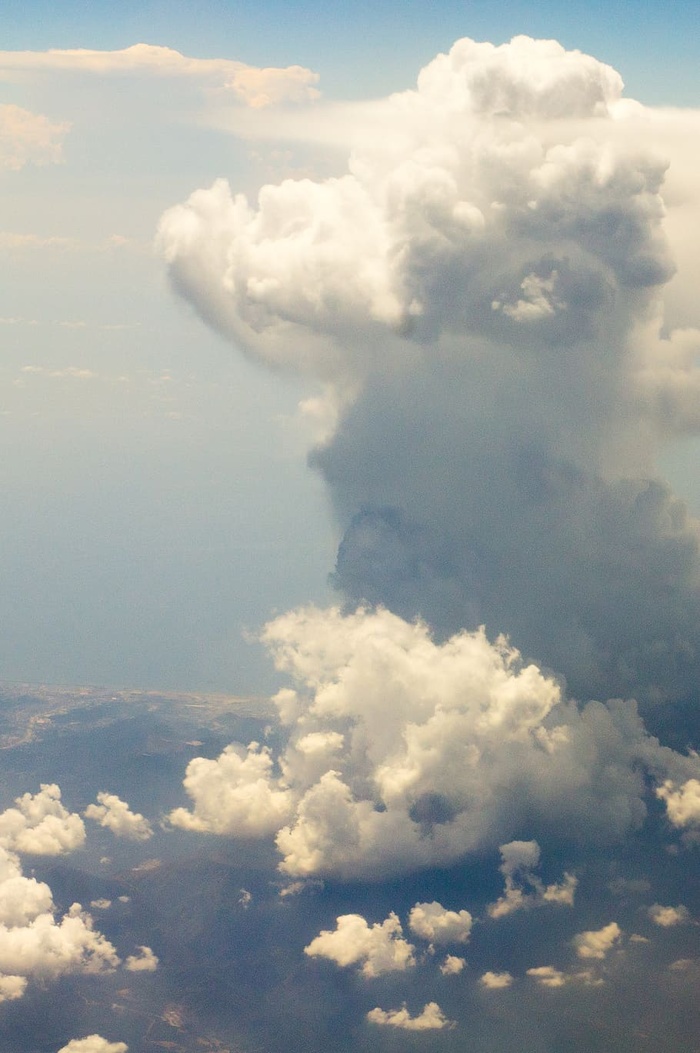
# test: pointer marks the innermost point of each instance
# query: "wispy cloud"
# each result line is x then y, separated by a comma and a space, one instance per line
253, 86
29, 138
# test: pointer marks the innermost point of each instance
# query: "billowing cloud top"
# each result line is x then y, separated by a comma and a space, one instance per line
526, 78
485, 209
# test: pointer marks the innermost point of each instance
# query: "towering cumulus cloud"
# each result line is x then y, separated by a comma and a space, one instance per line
480, 296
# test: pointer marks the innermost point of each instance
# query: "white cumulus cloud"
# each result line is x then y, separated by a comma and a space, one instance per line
597, 943
548, 976
93, 1044
378, 948
115, 814
235, 794
404, 752
523, 887
12, 987
452, 965
431, 1018
143, 962
682, 802
496, 981
41, 825
667, 917
432, 922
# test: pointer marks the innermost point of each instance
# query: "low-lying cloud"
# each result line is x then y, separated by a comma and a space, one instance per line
115, 814
431, 1018
34, 943
40, 824
406, 753
93, 1044
377, 949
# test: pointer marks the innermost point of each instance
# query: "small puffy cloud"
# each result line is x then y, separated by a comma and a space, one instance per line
519, 856
234, 794
253, 86
682, 802
563, 893
115, 814
523, 888
432, 922
431, 1018
29, 138
295, 888
496, 981
93, 1044
41, 825
143, 962
101, 904
667, 917
12, 987
452, 965
547, 976
379, 948
597, 943
23, 899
